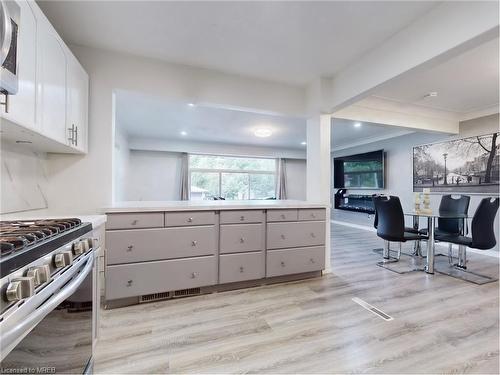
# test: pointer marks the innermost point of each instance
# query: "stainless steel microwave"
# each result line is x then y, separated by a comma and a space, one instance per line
9, 29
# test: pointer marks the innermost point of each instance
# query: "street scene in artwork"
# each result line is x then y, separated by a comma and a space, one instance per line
467, 164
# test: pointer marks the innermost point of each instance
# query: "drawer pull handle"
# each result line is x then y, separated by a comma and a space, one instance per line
313, 235
129, 283
313, 215
134, 222
241, 269
194, 275
190, 220
283, 216
242, 240
242, 218
130, 247
282, 264
312, 260
194, 243
282, 236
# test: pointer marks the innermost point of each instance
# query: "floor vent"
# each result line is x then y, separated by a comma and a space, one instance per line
372, 309
187, 292
154, 297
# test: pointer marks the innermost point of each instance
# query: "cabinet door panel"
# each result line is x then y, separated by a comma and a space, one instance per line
22, 105
77, 100
51, 84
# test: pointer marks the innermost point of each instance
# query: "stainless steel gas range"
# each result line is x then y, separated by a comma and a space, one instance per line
47, 298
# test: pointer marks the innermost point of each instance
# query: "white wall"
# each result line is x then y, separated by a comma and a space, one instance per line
90, 177
152, 176
155, 175
399, 167
296, 179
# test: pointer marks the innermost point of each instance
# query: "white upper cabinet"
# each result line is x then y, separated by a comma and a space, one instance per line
51, 84
50, 109
77, 103
22, 106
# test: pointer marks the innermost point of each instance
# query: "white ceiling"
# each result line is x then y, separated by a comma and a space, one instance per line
466, 83
292, 42
151, 117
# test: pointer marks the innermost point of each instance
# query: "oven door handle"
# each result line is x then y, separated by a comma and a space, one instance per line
11, 336
6, 32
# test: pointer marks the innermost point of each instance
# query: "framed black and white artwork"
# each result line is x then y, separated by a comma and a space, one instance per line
462, 165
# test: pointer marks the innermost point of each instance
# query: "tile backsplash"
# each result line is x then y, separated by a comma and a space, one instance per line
23, 179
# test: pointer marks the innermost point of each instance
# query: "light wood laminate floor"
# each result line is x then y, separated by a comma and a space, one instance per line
440, 325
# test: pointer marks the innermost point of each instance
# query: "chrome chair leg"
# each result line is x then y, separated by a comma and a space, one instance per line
387, 249
399, 251
462, 256
450, 253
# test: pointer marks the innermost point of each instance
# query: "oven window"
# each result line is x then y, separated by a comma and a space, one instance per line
61, 342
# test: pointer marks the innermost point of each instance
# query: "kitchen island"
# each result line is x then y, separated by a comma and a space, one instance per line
161, 250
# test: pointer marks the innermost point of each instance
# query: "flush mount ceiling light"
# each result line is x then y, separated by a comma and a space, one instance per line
191, 105
357, 124
263, 132
303, 143
184, 133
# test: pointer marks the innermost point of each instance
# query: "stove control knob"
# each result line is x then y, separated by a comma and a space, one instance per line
19, 288
63, 259
40, 274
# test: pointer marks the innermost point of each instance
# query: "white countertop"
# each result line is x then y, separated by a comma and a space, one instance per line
145, 206
95, 220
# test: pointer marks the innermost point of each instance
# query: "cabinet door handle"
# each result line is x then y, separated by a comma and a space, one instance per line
313, 235
194, 243
242, 240
282, 236
242, 218
282, 264
6, 103
283, 216
313, 215
312, 260
130, 247
134, 222
194, 275
71, 132
190, 220
76, 136
129, 282
241, 269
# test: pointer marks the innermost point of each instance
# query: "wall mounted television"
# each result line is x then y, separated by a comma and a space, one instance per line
360, 171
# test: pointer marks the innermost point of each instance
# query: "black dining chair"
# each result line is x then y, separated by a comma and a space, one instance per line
452, 204
390, 224
483, 234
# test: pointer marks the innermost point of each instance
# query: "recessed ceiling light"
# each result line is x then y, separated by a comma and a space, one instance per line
191, 104
357, 124
263, 132
303, 143
184, 133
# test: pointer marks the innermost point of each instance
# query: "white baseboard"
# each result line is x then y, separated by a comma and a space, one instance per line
491, 253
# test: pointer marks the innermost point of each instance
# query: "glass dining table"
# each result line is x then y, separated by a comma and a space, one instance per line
431, 227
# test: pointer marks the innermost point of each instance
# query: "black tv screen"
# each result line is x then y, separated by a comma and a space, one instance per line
360, 171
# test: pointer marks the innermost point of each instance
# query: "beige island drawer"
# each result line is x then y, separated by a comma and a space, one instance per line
282, 215
135, 220
128, 246
178, 219
128, 280
295, 234
290, 261
306, 214
241, 267
238, 238
242, 216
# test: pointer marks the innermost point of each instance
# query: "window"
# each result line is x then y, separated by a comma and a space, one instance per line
232, 178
